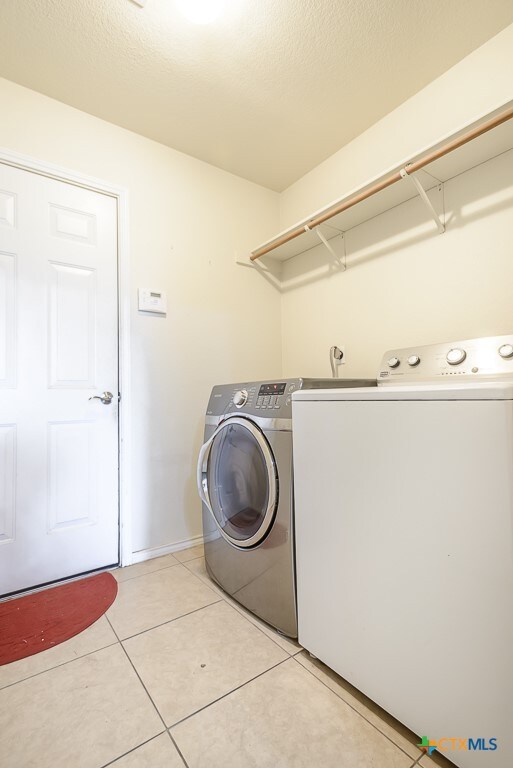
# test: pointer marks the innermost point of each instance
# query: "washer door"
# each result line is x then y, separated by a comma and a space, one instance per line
237, 481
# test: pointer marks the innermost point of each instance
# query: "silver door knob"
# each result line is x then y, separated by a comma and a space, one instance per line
106, 398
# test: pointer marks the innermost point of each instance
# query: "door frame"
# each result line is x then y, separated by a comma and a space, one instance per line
59, 173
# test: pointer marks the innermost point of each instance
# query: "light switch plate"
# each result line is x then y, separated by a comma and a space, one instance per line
152, 301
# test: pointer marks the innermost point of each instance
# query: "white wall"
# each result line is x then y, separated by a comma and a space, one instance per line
405, 285
187, 220
475, 86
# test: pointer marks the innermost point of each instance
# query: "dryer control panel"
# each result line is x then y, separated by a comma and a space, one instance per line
490, 357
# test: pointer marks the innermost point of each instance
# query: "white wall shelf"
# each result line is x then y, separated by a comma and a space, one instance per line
476, 150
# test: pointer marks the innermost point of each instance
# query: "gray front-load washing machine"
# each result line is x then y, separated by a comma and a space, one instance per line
245, 484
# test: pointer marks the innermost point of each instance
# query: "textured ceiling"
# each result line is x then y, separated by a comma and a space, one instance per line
267, 92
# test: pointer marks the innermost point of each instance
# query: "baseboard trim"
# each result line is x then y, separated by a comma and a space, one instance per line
167, 549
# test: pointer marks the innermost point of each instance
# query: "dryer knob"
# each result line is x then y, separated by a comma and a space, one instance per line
393, 362
240, 398
506, 351
413, 360
456, 356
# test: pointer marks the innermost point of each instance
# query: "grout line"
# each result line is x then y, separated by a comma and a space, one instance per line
360, 714
169, 621
147, 573
228, 693
112, 762
195, 574
204, 580
221, 599
190, 560
177, 749
240, 610
62, 664
138, 675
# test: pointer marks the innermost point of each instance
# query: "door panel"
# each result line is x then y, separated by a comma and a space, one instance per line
7, 481
7, 208
58, 347
7, 319
75, 225
72, 453
71, 337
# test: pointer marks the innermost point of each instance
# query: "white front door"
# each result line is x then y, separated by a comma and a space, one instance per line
58, 347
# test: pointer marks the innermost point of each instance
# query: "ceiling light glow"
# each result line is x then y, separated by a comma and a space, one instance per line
201, 11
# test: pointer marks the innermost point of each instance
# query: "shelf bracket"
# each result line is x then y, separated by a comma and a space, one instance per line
423, 194
272, 276
326, 243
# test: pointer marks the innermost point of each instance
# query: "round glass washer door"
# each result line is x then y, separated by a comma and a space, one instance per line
237, 481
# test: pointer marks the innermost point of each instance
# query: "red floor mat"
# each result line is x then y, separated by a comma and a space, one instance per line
39, 621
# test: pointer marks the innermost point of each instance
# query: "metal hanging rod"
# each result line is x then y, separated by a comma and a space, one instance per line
410, 168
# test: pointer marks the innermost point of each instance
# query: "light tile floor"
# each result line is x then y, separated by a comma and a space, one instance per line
178, 674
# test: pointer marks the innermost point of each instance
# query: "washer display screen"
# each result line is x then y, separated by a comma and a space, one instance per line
271, 389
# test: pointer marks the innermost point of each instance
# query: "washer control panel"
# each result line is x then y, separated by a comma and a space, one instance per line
271, 396
269, 399
490, 357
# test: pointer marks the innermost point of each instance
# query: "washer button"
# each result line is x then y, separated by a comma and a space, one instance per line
506, 351
456, 356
